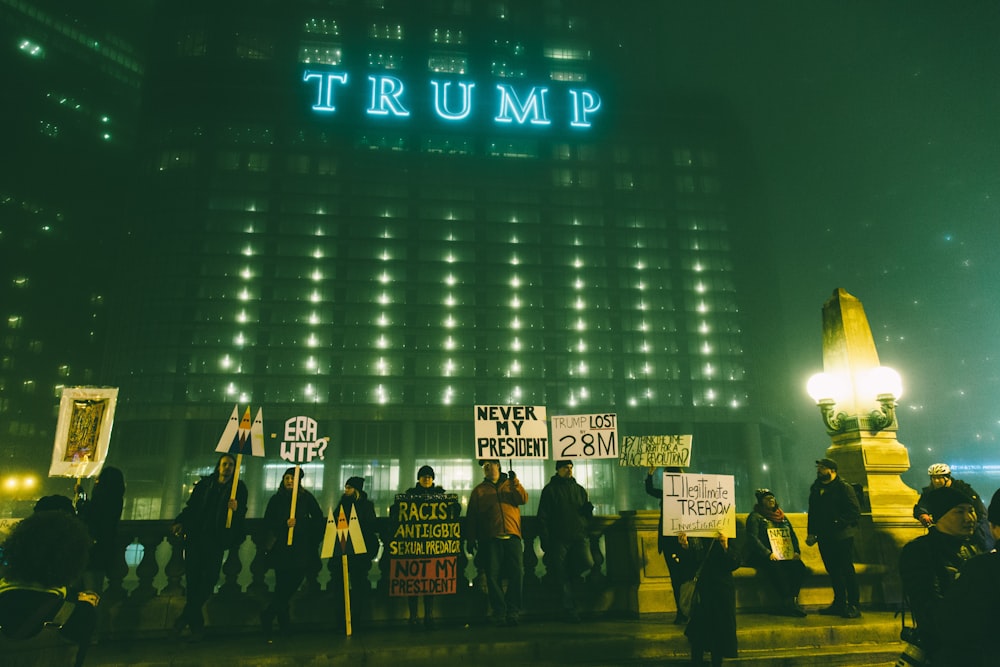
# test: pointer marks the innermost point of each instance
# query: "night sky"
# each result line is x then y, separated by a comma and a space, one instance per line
875, 126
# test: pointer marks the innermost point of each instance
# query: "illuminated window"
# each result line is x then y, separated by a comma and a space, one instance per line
386, 31
447, 36
316, 53
319, 26
564, 53
448, 63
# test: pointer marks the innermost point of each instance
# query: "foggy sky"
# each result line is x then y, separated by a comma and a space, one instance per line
875, 125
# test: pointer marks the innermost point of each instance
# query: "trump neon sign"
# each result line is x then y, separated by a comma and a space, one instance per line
454, 101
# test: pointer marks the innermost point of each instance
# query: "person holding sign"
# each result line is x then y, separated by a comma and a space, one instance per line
670, 547
202, 526
494, 529
564, 513
773, 550
425, 487
290, 562
712, 626
353, 503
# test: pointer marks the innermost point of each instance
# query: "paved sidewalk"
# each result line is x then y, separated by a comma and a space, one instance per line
764, 641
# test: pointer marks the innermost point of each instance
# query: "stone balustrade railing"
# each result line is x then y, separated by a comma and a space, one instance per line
145, 588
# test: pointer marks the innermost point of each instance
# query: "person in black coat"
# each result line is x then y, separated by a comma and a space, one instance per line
202, 525
834, 511
712, 626
101, 514
290, 561
783, 570
564, 513
358, 564
670, 548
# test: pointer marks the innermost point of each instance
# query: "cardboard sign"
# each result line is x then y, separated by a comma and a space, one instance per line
585, 437
83, 431
643, 451
781, 543
511, 432
425, 545
699, 505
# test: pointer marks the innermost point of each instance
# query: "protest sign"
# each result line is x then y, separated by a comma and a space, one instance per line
425, 545
781, 543
511, 432
585, 436
643, 451
83, 431
300, 445
699, 505
237, 438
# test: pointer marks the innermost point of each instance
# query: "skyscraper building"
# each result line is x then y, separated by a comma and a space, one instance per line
71, 81
381, 213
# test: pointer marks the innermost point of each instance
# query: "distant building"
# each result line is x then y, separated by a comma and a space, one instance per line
379, 214
72, 93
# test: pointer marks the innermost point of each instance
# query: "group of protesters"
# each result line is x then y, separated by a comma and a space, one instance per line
949, 574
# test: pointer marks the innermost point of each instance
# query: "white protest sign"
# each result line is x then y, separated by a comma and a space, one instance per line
585, 436
699, 505
511, 432
300, 444
643, 451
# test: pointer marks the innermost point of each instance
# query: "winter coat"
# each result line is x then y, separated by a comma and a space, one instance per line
494, 509
204, 516
833, 510
564, 511
310, 523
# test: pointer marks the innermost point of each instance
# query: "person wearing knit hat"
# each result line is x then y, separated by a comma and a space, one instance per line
928, 566
971, 614
359, 556
492, 531
564, 513
772, 548
941, 477
290, 561
425, 487
834, 511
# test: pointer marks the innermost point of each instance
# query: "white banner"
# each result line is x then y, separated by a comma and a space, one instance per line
585, 436
668, 451
511, 432
699, 505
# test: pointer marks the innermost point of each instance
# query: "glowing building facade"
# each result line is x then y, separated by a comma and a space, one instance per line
381, 213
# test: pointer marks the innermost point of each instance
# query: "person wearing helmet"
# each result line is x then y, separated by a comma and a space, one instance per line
940, 475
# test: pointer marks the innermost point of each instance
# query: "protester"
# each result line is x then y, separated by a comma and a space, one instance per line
43, 556
54, 503
425, 487
784, 571
101, 514
493, 528
290, 562
940, 476
202, 525
971, 614
564, 512
358, 563
669, 546
928, 564
833, 523
712, 626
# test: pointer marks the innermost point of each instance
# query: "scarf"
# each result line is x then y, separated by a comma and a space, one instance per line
775, 515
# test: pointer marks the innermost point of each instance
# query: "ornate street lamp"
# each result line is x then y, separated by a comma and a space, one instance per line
878, 388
